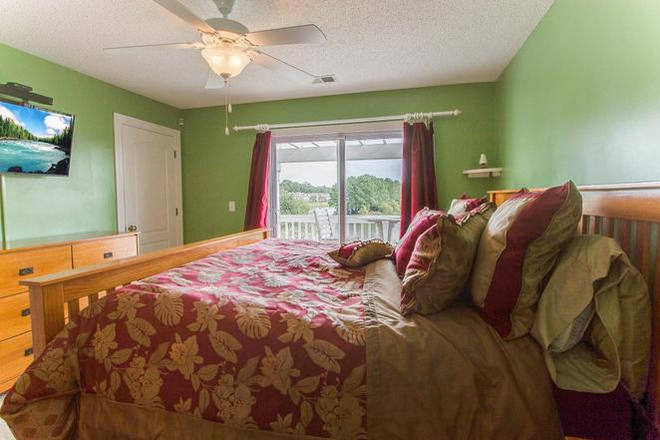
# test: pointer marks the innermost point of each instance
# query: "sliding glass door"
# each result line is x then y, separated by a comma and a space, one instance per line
373, 186
305, 189
337, 188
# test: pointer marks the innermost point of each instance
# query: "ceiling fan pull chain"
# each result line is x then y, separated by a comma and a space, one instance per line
229, 109
226, 107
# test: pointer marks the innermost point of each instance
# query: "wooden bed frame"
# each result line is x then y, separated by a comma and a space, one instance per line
629, 213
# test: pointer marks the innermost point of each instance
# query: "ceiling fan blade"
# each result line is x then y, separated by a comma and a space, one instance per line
185, 14
306, 34
214, 81
129, 49
282, 68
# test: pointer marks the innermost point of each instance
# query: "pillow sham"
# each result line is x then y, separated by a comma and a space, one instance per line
358, 253
594, 277
440, 264
465, 204
423, 220
517, 250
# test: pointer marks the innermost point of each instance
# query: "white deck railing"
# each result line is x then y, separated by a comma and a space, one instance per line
304, 227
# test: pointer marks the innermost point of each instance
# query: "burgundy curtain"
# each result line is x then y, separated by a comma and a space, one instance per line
256, 211
418, 184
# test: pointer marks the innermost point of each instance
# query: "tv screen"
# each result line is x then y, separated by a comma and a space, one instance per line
34, 141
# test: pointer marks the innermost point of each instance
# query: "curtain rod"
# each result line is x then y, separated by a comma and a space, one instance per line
406, 117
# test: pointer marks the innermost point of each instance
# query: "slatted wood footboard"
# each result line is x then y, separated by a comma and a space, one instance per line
49, 293
629, 213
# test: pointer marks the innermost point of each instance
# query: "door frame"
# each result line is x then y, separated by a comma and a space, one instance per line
119, 120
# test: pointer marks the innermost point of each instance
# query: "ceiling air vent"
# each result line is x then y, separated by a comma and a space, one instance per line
325, 79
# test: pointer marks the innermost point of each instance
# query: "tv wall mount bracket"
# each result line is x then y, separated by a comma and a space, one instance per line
24, 94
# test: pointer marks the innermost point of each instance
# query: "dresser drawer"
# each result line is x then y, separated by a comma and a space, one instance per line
14, 315
15, 356
22, 265
100, 251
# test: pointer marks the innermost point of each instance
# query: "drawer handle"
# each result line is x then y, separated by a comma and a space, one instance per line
107, 255
25, 312
25, 271
27, 352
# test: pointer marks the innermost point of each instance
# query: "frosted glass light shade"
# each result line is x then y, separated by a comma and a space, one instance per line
226, 61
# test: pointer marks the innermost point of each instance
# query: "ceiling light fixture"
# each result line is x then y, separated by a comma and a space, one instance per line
226, 62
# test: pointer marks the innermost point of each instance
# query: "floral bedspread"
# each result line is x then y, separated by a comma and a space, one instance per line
269, 336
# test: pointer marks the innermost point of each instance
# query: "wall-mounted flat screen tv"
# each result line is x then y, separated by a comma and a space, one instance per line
34, 140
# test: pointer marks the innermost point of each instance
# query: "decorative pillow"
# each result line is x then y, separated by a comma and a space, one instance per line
424, 219
594, 319
517, 250
358, 253
465, 204
441, 262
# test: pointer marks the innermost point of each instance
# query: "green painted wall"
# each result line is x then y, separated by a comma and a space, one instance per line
38, 206
216, 167
581, 99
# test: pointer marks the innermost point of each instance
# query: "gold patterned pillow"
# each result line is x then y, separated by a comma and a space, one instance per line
442, 260
358, 253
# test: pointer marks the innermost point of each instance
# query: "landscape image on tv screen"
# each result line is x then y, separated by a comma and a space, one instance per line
34, 141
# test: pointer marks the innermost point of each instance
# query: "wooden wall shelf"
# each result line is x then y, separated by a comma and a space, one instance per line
482, 173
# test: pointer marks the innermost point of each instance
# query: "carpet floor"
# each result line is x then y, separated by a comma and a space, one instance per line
5, 433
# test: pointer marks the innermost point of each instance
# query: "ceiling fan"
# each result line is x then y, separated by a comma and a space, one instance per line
228, 46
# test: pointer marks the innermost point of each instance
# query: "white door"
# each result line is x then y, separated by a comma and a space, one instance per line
148, 171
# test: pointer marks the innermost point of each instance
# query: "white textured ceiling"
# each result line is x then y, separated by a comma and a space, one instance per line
372, 44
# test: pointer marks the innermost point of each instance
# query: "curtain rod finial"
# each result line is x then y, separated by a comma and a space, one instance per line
457, 112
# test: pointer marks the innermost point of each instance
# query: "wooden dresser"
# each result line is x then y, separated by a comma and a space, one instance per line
25, 259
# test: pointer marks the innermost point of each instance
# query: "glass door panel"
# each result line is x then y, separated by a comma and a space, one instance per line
305, 196
373, 186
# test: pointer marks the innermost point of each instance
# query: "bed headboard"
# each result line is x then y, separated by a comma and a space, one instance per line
629, 213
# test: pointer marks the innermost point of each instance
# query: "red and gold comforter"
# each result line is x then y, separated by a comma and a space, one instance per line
269, 336
275, 340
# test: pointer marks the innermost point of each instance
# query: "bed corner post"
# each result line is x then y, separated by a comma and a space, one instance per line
47, 314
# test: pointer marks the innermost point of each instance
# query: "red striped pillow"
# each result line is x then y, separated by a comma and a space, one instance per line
517, 250
403, 250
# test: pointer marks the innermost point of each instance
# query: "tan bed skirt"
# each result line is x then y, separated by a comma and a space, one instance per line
101, 419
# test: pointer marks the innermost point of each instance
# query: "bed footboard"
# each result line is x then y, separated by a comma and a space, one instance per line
50, 293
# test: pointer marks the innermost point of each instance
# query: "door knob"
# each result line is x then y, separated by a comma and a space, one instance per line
132, 228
